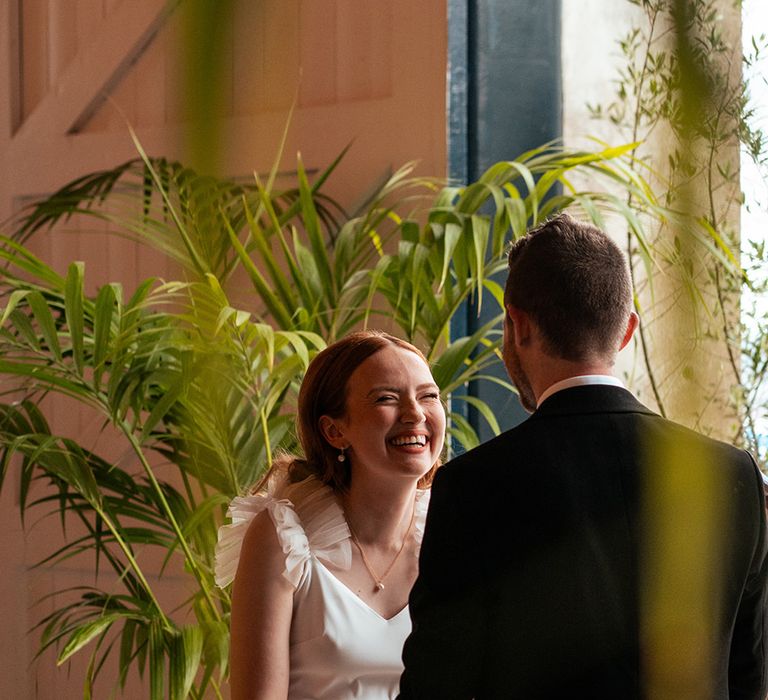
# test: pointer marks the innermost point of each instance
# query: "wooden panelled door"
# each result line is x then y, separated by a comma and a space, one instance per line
78, 72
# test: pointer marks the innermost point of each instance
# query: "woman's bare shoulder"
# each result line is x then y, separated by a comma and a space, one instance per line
262, 555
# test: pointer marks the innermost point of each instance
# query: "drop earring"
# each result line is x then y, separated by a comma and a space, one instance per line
342, 457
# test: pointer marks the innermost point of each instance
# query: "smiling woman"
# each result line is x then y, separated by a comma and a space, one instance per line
393, 422
313, 615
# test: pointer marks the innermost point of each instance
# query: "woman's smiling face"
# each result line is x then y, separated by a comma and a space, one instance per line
394, 422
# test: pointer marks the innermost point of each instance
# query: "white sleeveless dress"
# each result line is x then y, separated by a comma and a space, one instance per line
340, 648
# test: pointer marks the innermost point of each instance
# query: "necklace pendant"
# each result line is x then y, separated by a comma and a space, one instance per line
379, 586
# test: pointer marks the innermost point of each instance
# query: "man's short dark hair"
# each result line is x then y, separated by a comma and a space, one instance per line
574, 283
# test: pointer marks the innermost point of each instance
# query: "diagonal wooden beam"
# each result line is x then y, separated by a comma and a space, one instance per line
98, 66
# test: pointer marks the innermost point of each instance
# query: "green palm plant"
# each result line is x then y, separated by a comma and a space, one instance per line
189, 379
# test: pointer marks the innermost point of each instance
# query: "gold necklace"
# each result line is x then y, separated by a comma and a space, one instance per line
379, 580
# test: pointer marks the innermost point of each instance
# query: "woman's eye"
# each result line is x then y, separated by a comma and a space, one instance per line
386, 398
433, 396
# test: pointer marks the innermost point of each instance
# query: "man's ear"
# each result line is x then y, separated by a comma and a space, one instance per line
520, 324
332, 432
632, 323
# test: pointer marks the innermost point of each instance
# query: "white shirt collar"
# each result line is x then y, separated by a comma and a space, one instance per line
582, 380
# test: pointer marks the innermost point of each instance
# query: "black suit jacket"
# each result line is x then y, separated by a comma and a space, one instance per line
538, 549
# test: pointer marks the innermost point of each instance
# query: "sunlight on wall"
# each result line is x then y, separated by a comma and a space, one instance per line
754, 178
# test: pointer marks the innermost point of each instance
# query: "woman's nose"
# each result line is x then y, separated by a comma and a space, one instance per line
412, 412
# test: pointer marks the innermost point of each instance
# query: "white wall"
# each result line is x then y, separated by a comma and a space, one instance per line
694, 377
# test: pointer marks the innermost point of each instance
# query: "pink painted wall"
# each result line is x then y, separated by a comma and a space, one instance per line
368, 71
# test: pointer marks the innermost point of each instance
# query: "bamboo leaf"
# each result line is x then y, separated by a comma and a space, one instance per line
13, 301
102, 328
22, 258
259, 238
479, 231
451, 237
156, 662
45, 322
310, 273
126, 655
184, 660
198, 262
86, 633
460, 429
161, 408
73, 305
25, 329
316, 241
459, 352
270, 299
483, 408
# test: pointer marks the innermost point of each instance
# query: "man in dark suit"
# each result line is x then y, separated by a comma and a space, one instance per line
596, 550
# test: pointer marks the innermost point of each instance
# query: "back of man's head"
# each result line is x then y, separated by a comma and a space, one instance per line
573, 282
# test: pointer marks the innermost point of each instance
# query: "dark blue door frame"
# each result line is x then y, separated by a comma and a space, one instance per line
504, 99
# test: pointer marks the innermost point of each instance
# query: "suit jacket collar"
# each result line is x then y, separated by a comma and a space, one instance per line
591, 398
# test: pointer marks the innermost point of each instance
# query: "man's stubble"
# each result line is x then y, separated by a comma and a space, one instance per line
515, 370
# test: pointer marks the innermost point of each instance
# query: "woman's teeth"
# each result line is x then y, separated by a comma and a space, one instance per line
419, 441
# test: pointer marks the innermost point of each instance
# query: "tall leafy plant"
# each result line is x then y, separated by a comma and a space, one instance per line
187, 377
680, 95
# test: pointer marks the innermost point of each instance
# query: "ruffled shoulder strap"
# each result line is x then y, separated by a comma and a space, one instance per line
307, 518
242, 510
323, 518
